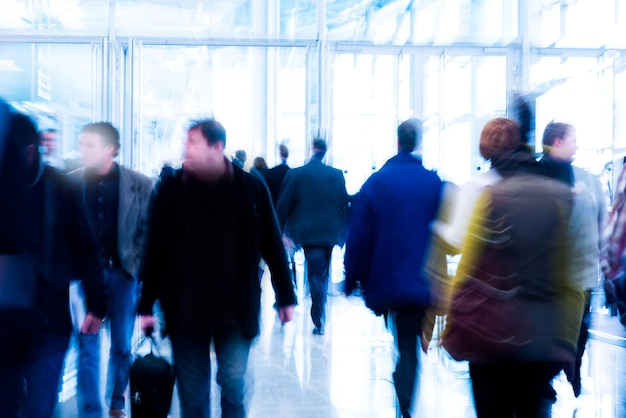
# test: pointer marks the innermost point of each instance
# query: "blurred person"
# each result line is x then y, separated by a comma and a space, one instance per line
613, 254
259, 169
31, 359
525, 217
453, 231
274, 178
310, 211
386, 243
586, 223
116, 199
276, 175
49, 149
209, 225
240, 158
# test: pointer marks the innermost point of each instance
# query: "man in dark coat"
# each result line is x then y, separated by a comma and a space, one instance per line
276, 175
63, 248
311, 212
208, 227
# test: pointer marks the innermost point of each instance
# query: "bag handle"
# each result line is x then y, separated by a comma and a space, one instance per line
153, 344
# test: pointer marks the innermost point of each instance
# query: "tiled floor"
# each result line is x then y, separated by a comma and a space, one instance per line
347, 372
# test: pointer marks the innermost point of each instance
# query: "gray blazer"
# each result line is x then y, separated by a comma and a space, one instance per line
135, 190
587, 223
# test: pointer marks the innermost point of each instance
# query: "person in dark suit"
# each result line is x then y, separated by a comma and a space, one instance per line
117, 201
310, 210
62, 248
274, 177
208, 227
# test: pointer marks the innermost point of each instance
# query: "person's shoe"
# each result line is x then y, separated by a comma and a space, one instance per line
318, 331
117, 413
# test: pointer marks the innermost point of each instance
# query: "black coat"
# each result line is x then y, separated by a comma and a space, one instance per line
312, 203
257, 235
274, 178
74, 250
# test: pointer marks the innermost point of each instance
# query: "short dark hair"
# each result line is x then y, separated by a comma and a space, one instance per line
553, 131
23, 130
211, 130
259, 163
241, 155
106, 130
284, 151
319, 143
410, 134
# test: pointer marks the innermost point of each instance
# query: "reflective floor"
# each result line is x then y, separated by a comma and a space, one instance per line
347, 372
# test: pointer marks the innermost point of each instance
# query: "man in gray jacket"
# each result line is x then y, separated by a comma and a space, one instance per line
117, 200
586, 223
310, 210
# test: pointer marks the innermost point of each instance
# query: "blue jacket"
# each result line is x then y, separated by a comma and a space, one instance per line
390, 232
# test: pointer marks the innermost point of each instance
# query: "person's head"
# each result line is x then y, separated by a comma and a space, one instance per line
319, 148
498, 137
559, 140
99, 144
284, 152
409, 135
259, 163
241, 155
23, 132
49, 141
204, 149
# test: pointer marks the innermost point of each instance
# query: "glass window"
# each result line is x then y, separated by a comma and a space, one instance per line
191, 19
365, 114
380, 22
291, 103
460, 94
41, 80
577, 91
229, 83
581, 23
449, 21
298, 19
55, 17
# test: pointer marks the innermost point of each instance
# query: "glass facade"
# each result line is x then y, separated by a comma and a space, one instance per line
285, 71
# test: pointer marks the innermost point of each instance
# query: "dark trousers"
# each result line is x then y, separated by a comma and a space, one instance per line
573, 371
29, 381
407, 325
514, 390
318, 266
192, 362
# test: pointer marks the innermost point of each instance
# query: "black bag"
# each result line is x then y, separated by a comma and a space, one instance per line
151, 384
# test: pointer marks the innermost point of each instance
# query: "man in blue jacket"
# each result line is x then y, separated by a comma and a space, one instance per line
385, 247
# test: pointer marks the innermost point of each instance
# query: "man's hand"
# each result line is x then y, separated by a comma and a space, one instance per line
147, 324
91, 324
286, 313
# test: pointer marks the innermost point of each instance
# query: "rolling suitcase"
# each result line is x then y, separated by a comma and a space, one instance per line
151, 384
